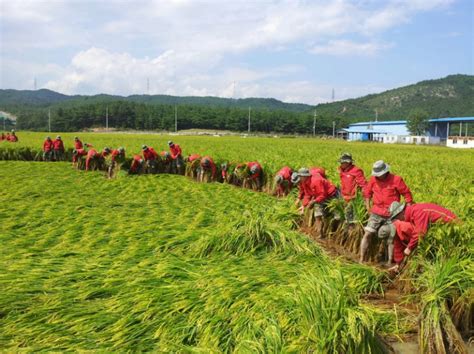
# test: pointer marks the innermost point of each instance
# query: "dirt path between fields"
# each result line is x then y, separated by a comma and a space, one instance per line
392, 297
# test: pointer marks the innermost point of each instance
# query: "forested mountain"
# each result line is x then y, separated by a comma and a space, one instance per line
450, 96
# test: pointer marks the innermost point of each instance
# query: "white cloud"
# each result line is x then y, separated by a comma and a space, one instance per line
345, 47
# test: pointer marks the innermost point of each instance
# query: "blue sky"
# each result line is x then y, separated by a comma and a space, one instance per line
295, 51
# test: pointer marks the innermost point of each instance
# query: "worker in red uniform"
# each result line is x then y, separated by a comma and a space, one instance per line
151, 159
193, 167
58, 146
383, 189
208, 169
352, 180
77, 158
92, 160
295, 180
255, 176
137, 165
402, 240
78, 143
318, 192
13, 138
283, 183
48, 147
117, 157
165, 162
177, 159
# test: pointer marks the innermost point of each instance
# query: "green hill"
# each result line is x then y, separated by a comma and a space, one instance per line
451, 96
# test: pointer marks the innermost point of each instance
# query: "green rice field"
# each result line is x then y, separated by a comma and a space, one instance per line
163, 263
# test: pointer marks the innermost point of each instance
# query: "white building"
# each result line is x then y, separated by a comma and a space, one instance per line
460, 142
411, 139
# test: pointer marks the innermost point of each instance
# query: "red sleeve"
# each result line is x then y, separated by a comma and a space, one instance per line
360, 179
404, 190
367, 191
300, 193
318, 189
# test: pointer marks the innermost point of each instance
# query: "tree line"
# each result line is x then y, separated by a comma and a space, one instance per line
131, 115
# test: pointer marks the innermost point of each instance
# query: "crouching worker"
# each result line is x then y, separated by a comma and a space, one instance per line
78, 158
151, 159
207, 170
92, 160
137, 166
165, 162
192, 163
421, 215
117, 158
254, 178
401, 241
283, 183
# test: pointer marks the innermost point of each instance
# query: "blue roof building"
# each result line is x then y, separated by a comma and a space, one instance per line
376, 131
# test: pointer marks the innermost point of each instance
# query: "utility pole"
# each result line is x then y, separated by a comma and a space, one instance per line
107, 118
333, 129
34, 84
4, 124
376, 115
314, 123
249, 119
175, 118
49, 120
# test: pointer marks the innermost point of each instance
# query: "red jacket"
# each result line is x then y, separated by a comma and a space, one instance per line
175, 151
194, 157
48, 145
285, 173
212, 165
259, 169
150, 154
320, 189
351, 178
12, 138
78, 144
58, 145
405, 237
136, 162
421, 215
91, 154
116, 154
386, 192
79, 153
317, 171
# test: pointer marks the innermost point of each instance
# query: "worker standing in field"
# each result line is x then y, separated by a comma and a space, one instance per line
383, 189
207, 170
318, 192
78, 143
151, 159
352, 180
58, 146
48, 147
283, 183
177, 163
